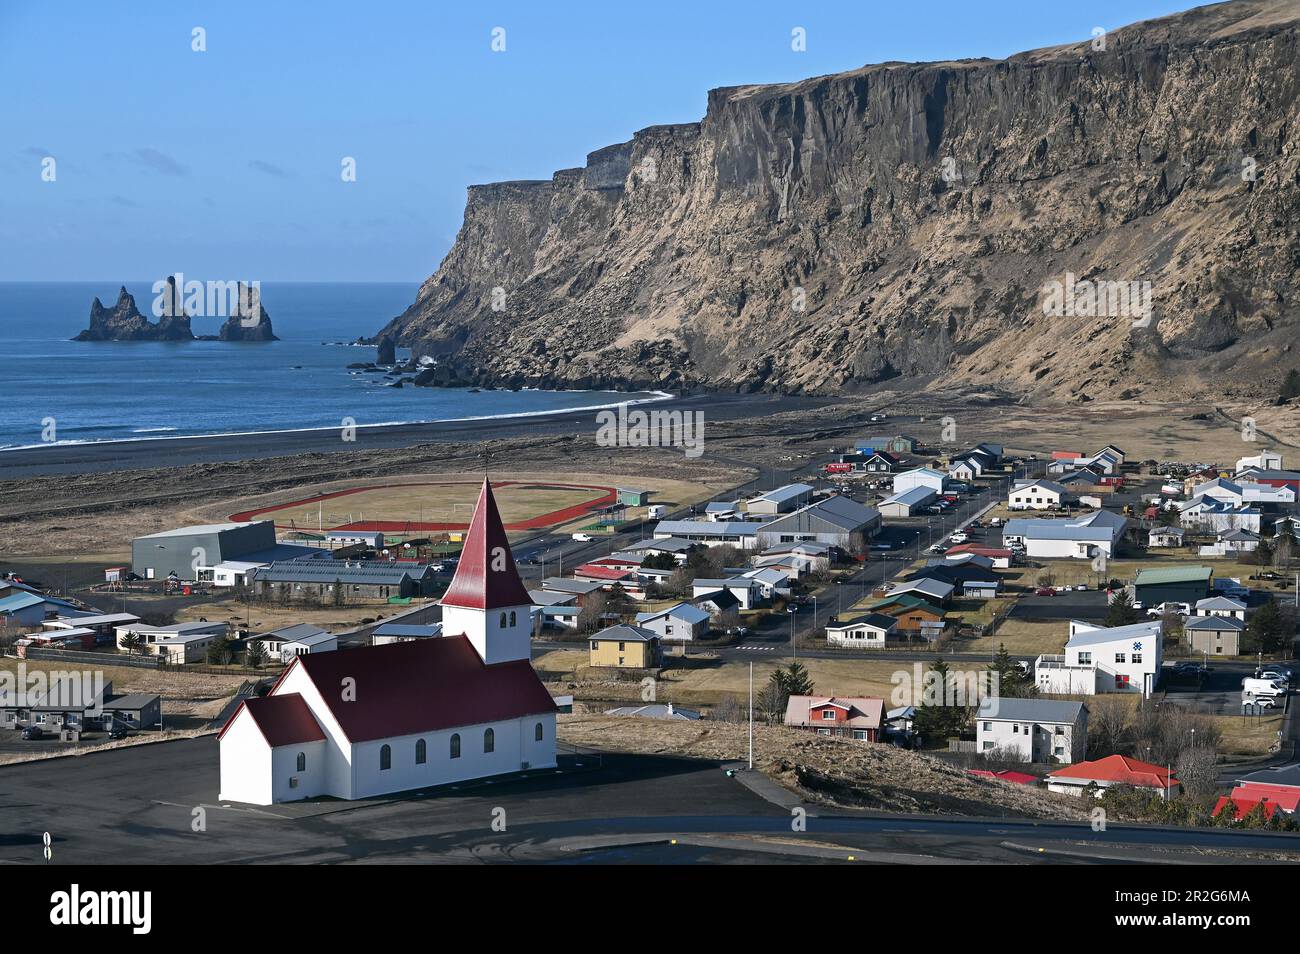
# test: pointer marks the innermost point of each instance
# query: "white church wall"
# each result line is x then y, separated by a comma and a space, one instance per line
245, 763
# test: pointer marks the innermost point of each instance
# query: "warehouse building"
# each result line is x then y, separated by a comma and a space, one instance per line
1176, 584
317, 579
192, 553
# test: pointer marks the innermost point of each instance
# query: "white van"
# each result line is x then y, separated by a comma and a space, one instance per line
656, 512
1262, 687
583, 537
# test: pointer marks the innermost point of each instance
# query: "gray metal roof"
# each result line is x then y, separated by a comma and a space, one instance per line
319, 571
287, 633
625, 634
1002, 708
1214, 623
910, 498
835, 513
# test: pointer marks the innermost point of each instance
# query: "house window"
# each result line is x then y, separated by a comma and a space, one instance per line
1060, 730
455, 745
988, 726
621, 647
1137, 658
828, 715
538, 732
489, 740
1015, 728
293, 781
512, 617
421, 752
1119, 658
987, 746
1085, 659
860, 734
302, 761
385, 758
594, 644
503, 620
1121, 682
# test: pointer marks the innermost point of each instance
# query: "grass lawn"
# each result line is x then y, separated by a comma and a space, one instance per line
1021, 637
1244, 735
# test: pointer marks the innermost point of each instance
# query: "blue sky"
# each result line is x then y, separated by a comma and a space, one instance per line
226, 163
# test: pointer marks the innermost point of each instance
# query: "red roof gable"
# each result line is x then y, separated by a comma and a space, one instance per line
1007, 775
486, 577
593, 572
1119, 769
423, 686
282, 720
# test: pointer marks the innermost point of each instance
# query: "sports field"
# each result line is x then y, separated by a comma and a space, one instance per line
434, 506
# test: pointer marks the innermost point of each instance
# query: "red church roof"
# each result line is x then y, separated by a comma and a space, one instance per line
422, 686
486, 577
1119, 769
282, 720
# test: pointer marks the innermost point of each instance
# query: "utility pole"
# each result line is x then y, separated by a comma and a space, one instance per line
751, 716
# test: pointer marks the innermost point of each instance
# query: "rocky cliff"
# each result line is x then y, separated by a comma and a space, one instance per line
915, 221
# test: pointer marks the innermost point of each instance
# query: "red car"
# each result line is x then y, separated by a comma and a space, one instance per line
1045, 591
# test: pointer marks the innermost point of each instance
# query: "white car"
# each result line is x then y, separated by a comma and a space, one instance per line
582, 537
959, 537
1262, 702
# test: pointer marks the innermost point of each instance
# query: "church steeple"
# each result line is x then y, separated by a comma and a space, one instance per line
487, 601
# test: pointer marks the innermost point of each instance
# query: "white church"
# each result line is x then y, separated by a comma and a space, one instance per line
355, 723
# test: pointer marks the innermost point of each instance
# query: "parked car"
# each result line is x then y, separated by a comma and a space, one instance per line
118, 731
32, 732
958, 537
1045, 591
1260, 702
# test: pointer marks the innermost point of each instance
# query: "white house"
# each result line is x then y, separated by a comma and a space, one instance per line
748, 592
680, 623
772, 581
1036, 730
1220, 606
1220, 516
1080, 538
178, 643
920, 477
1101, 774
288, 641
383, 719
870, 631
1264, 460
1037, 495
1100, 659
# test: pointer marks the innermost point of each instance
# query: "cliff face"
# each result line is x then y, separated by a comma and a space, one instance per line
909, 220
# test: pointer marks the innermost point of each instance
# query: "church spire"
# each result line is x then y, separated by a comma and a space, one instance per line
486, 577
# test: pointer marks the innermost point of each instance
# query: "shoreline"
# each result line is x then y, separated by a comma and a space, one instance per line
181, 450
654, 397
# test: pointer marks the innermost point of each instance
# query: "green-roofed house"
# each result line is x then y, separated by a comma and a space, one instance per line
1175, 584
913, 613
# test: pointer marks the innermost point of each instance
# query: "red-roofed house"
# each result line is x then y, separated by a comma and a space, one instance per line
1113, 770
1006, 775
856, 717
405, 715
1244, 806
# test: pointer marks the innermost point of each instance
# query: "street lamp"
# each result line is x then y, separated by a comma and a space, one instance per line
794, 646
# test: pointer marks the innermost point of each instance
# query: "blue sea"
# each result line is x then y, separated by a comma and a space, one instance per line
114, 391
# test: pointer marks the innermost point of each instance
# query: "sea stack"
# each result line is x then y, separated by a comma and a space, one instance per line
253, 326
387, 351
124, 322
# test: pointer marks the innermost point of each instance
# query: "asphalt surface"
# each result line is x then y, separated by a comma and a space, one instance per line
144, 804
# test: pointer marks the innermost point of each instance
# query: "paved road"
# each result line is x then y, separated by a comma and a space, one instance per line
138, 805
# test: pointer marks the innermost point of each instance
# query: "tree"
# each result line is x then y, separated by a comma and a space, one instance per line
1283, 543
941, 717
134, 643
219, 651
618, 602
592, 614
1270, 629
1110, 719
1121, 611
794, 679
660, 561
1264, 553
680, 582
255, 654
1198, 773
1009, 680
337, 592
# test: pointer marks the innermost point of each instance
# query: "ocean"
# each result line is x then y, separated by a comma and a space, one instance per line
69, 391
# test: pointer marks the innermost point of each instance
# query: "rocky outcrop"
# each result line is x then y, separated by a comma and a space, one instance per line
387, 351
124, 322
252, 324
908, 221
